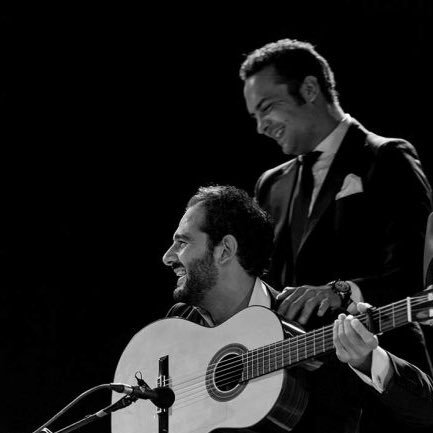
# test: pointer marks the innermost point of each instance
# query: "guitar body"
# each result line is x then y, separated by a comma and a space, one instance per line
205, 399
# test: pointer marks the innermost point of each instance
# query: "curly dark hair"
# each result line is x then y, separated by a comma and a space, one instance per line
230, 210
293, 60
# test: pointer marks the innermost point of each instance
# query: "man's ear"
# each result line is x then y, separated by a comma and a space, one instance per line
227, 249
310, 88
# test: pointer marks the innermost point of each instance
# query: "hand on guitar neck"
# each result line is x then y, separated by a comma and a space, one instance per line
359, 348
353, 342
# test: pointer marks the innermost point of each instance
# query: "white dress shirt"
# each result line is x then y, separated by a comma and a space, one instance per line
328, 148
381, 370
259, 296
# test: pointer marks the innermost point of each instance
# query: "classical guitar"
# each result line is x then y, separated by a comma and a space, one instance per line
232, 376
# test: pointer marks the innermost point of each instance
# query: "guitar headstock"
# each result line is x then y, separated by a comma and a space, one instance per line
422, 306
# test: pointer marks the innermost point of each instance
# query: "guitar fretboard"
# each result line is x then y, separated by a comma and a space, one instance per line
309, 345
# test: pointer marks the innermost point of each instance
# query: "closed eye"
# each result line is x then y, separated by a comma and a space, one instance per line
266, 108
180, 244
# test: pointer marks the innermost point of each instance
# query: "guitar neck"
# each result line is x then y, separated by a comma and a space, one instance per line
304, 347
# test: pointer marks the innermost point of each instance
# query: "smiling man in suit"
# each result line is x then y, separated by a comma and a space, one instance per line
349, 207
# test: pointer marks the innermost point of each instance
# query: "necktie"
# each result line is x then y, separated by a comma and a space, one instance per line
302, 199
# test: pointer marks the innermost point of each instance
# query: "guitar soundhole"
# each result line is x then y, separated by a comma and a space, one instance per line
224, 373
228, 372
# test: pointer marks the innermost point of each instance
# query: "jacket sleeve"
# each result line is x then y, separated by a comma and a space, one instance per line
409, 394
400, 198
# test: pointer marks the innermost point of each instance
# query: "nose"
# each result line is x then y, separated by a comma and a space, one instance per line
169, 257
262, 125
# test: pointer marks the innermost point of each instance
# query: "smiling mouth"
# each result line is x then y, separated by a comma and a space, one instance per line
180, 272
278, 133
181, 280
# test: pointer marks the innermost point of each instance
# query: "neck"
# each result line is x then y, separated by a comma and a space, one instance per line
335, 111
231, 295
330, 117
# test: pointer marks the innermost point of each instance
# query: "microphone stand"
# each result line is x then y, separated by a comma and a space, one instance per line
120, 404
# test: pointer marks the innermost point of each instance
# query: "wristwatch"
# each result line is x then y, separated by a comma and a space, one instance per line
342, 289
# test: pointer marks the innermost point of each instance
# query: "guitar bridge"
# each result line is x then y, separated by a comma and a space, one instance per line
162, 381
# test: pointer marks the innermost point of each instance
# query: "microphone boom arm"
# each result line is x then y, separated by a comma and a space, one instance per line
120, 404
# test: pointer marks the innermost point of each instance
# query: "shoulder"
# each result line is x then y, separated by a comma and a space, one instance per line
371, 153
388, 145
268, 177
397, 157
379, 145
276, 171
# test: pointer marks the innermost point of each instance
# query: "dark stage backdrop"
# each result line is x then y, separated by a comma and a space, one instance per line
109, 122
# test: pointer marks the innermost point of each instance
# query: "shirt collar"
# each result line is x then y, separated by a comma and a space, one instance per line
260, 295
331, 143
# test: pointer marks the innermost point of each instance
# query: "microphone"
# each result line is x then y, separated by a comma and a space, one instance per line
162, 397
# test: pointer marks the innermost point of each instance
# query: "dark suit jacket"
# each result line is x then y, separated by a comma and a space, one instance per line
428, 253
374, 237
334, 391
408, 398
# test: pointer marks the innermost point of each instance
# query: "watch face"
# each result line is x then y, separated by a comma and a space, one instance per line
342, 286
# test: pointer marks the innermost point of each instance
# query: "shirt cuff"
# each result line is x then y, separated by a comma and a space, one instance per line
381, 370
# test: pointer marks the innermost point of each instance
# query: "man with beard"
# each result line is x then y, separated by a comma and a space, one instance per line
219, 252
221, 247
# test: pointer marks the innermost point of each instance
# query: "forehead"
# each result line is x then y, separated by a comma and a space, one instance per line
263, 85
191, 222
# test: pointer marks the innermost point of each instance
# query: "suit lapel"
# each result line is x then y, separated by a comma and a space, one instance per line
282, 192
278, 204
345, 162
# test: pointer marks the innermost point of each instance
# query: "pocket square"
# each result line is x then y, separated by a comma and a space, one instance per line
352, 185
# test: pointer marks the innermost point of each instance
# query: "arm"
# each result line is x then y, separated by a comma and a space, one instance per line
304, 299
398, 201
401, 386
400, 198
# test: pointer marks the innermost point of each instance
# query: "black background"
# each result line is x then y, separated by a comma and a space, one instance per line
110, 122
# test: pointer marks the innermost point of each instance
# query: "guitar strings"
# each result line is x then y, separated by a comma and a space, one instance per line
267, 351
202, 393
279, 353
306, 337
193, 398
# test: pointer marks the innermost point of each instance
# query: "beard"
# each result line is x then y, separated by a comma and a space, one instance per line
201, 277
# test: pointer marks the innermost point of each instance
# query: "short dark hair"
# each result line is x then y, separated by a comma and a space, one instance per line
293, 60
230, 210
